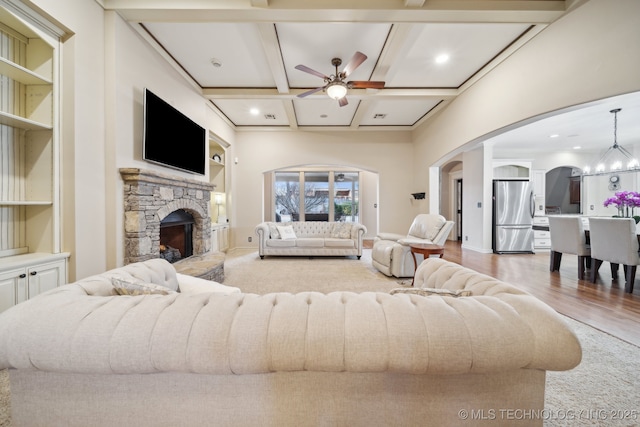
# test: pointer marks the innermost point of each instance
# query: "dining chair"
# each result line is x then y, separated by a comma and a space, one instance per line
614, 240
568, 237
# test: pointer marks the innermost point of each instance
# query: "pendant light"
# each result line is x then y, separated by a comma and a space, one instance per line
616, 158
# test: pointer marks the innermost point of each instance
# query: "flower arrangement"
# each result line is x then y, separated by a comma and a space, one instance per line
623, 200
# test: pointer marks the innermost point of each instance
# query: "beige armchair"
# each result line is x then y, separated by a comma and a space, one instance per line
391, 254
614, 240
567, 237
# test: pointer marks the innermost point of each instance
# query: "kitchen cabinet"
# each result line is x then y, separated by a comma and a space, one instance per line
512, 169
25, 276
541, 235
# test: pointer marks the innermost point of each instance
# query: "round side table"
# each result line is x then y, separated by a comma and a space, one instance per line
426, 249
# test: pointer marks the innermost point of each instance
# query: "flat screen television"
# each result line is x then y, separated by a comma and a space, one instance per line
170, 138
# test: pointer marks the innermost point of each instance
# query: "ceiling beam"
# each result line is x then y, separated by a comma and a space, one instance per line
514, 11
401, 38
271, 46
363, 107
387, 93
291, 113
260, 3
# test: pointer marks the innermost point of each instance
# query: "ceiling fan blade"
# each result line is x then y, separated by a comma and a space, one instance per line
343, 101
309, 92
310, 71
365, 85
357, 59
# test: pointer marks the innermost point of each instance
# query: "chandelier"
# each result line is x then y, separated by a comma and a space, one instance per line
616, 158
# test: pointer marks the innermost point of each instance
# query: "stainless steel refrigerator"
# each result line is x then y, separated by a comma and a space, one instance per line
513, 209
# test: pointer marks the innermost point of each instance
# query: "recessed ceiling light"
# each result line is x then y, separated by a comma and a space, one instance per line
216, 62
577, 147
555, 135
442, 58
254, 111
323, 116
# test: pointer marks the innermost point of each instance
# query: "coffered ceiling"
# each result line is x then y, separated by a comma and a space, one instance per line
242, 54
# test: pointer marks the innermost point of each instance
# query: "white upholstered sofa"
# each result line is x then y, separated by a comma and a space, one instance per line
391, 254
80, 355
310, 238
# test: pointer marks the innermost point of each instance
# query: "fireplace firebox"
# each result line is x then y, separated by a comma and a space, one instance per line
176, 236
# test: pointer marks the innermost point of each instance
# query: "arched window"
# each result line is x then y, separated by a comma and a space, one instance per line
315, 195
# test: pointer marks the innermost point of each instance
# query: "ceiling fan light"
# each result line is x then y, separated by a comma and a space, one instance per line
337, 90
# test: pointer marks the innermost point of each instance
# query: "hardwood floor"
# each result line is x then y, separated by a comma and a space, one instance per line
603, 305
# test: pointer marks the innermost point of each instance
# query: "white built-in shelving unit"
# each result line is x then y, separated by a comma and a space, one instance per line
31, 259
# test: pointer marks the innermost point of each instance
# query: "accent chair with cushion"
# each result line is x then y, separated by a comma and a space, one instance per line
567, 237
614, 240
391, 253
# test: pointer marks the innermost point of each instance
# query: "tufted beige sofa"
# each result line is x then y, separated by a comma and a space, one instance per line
80, 356
312, 238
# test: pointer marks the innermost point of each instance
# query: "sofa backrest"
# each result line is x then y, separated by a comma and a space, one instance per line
441, 274
322, 229
68, 331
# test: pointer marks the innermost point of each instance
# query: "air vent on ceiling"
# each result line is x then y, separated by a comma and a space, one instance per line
379, 116
270, 116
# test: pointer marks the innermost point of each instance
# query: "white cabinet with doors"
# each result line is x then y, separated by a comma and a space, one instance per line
220, 237
26, 276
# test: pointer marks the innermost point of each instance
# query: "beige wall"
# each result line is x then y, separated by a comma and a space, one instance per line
386, 153
590, 54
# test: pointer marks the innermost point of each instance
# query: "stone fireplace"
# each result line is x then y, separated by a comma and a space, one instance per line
149, 198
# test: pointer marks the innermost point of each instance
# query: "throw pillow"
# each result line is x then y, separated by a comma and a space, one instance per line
138, 287
286, 232
341, 230
273, 231
425, 292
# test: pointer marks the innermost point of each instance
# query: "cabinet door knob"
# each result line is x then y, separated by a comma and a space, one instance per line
33, 273
22, 276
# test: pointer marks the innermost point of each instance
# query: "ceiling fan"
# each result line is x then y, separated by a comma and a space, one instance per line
335, 86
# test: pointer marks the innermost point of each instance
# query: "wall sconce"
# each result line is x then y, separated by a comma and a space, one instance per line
418, 196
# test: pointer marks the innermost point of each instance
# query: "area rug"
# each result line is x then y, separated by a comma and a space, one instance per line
604, 390
299, 274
